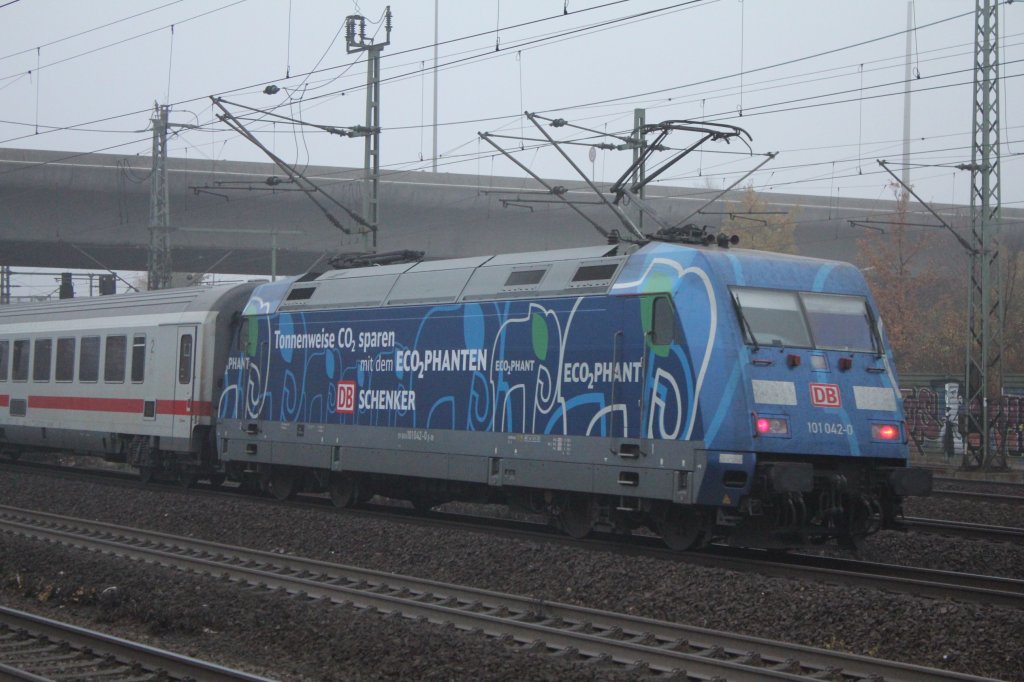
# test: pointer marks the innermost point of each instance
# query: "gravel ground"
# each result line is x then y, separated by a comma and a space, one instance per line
285, 639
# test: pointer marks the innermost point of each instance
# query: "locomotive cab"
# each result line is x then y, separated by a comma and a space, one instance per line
820, 452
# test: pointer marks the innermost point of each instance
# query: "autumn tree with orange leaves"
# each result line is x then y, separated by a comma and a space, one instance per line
918, 284
758, 225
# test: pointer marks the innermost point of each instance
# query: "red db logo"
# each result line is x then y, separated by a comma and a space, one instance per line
825, 395
345, 402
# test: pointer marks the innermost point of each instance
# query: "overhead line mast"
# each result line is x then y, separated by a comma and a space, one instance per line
984, 368
357, 41
159, 266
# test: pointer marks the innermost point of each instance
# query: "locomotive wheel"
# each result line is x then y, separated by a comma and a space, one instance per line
217, 480
680, 528
187, 479
282, 484
146, 475
344, 490
576, 517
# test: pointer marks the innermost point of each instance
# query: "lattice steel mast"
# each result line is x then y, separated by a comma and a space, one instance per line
159, 266
357, 41
984, 367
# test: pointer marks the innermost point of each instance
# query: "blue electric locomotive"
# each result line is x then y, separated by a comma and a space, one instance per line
705, 393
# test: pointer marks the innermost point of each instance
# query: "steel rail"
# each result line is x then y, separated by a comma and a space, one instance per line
35, 646
572, 631
1016, 500
1012, 485
964, 529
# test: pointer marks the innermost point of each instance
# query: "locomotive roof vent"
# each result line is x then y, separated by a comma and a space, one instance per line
524, 279
301, 293
594, 274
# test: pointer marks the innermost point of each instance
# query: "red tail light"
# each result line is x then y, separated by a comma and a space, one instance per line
770, 426
885, 431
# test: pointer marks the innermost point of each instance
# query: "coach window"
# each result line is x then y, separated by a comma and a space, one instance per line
185, 359
42, 360
114, 359
89, 359
5, 347
138, 358
65, 360
19, 362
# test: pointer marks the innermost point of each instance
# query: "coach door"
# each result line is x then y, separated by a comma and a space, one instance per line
184, 382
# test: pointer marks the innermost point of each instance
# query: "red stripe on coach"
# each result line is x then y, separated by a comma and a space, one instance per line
58, 402
119, 405
197, 408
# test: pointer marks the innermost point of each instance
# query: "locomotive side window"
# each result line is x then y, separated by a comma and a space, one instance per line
114, 359
663, 322
773, 318
65, 360
185, 360
43, 359
246, 341
89, 359
19, 362
138, 358
839, 322
5, 347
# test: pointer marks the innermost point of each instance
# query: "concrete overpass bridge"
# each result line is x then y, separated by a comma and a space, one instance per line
67, 210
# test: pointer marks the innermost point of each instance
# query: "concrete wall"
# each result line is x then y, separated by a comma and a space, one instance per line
67, 210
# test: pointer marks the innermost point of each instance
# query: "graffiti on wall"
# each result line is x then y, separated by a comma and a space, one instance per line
936, 420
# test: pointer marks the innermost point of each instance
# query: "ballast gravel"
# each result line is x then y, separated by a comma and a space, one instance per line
287, 639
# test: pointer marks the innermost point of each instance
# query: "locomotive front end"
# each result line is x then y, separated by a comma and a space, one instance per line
824, 421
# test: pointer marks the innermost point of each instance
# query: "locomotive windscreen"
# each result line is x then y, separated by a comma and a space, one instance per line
839, 322
805, 320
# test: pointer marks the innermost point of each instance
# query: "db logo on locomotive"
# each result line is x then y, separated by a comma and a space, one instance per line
825, 395
346, 398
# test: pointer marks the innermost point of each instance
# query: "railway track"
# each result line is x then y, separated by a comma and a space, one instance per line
647, 646
833, 570
38, 649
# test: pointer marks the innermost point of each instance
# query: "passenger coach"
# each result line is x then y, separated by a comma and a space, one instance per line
130, 377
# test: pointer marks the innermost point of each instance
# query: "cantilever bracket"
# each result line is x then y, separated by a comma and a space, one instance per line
963, 242
293, 174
